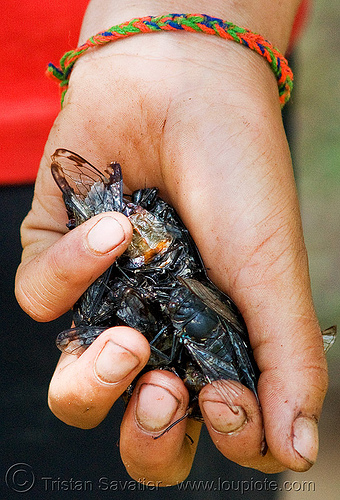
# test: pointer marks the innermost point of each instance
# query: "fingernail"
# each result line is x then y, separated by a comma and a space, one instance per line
105, 235
223, 418
156, 407
306, 438
114, 363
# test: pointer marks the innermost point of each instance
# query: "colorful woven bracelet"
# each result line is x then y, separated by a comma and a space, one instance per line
194, 23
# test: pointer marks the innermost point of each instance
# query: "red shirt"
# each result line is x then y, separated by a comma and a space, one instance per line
35, 33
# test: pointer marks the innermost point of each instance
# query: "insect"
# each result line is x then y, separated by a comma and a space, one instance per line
158, 286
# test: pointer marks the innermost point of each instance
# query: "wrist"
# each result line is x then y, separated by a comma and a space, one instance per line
194, 23
272, 20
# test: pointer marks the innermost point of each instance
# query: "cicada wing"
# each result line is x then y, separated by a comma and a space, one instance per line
213, 299
86, 190
234, 326
77, 340
79, 174
91, 303
246, 362
221, 374
329, 337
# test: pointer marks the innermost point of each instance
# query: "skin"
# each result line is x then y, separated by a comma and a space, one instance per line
199, 118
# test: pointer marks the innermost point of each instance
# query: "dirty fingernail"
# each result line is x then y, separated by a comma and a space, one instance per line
156, 407
105, 235
224, 419
114, 363
306, 438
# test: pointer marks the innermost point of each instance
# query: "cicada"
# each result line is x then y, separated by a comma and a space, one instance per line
158, 286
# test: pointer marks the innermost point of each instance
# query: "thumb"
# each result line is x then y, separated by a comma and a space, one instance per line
49, 284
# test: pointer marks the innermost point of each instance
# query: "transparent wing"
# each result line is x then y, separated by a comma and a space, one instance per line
216, 300
77, 340
92, 305
79, 174
221, 374
328, 337
86, 190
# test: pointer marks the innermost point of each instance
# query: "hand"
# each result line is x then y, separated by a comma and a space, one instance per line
199, 118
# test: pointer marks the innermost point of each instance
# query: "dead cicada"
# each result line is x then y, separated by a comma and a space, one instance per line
158, 286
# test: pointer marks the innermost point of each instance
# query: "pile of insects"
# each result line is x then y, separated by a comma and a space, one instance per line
159, 286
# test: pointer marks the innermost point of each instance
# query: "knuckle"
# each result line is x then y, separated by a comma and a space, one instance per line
43, 286
32, 303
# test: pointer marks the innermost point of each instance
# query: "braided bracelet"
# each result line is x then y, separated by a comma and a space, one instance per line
194, 23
